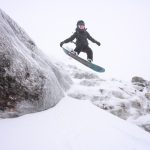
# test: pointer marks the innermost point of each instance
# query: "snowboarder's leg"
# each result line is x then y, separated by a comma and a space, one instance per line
89, 53
78, 50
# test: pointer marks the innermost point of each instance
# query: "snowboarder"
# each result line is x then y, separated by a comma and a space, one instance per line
81, 36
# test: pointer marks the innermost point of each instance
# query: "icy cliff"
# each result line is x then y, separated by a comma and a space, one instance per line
29, 82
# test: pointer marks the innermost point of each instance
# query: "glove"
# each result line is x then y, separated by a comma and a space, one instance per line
98, 43
61, 44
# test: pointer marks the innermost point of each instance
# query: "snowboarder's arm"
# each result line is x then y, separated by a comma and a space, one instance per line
92, 39
70, 38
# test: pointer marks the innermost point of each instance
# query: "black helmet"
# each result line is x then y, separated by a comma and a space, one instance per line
80, 22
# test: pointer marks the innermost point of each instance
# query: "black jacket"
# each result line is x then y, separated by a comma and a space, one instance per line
81, 37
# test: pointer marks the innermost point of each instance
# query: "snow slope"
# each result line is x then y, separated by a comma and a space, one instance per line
72, 125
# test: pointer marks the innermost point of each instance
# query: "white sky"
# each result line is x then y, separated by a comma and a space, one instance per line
122, 27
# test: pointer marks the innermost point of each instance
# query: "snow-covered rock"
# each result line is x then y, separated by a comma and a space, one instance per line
29, 82
137, 79
147, 95
123, 99
140, 83
143, 121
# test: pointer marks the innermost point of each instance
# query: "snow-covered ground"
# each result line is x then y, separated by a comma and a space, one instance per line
72, 125
121, 98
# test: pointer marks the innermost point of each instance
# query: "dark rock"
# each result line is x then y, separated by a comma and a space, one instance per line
146, 127
139, 83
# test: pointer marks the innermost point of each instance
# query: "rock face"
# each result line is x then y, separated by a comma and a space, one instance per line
29, 82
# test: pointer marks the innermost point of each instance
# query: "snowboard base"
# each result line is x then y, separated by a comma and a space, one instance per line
84, 62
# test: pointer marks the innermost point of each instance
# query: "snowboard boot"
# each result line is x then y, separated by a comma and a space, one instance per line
89, 60
75, 53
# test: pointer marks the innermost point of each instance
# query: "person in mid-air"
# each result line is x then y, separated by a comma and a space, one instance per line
81, 35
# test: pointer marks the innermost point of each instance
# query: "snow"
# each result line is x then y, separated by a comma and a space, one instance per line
72, 125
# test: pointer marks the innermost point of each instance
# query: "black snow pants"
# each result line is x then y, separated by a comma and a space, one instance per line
86, 49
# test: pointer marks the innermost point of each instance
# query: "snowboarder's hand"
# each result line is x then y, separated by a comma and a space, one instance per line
98, 43
61, 44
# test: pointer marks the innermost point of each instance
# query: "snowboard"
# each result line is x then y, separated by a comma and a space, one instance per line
84, 62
